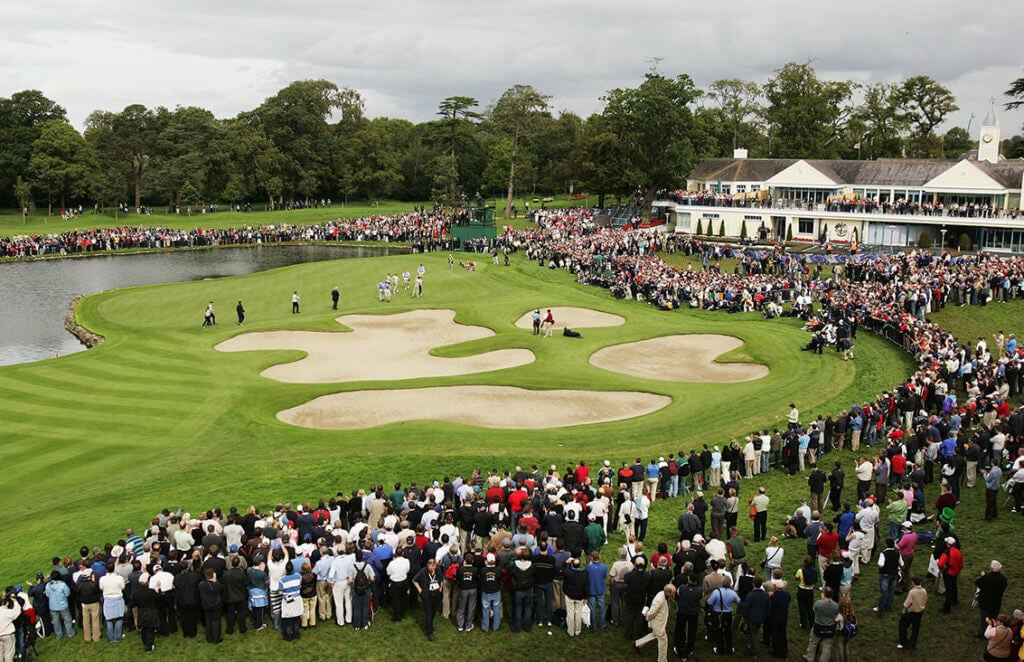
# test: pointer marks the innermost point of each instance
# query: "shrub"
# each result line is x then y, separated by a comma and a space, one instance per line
700, 227
924, 241
721, 228
965, 242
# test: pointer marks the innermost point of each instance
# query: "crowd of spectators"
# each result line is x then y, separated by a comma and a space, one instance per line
900, 206
426, 231
525, 546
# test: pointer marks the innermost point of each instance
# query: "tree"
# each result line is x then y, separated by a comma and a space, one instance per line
659, 137
295, 121
516, 116
1016, 91
186, 146
1013, 148
806, 116
721, 228
21, 120
883, 121
23, 194
376, 149
736, 108
602, 162
700, 228
456, 114
124, 141
445, 191
956, 142
189, 194
926, 104
257, 162
62, 162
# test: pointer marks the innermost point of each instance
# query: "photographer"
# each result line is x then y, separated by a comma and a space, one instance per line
10, 611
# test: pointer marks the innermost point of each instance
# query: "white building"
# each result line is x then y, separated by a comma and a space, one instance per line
887, 202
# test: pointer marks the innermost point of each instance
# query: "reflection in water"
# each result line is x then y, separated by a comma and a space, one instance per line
36, 294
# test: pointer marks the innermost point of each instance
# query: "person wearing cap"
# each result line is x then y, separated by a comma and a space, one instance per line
950, 565
594, 536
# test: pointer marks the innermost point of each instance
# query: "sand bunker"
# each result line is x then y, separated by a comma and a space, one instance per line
574, 318
380, 347
684, 358
485, 406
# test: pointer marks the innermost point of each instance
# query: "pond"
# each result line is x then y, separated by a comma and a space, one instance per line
36, 294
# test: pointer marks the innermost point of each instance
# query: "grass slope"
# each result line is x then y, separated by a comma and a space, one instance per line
155, 417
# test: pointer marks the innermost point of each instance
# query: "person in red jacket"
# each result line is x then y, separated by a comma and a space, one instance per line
951, 563
897, 469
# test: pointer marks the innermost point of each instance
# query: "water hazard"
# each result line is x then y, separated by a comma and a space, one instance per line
36, 294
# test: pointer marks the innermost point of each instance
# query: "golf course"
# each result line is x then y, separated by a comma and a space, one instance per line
167, 413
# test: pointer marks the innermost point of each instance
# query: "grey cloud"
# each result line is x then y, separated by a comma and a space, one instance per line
406, 55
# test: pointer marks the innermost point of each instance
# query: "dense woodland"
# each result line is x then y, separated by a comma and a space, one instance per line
312, 141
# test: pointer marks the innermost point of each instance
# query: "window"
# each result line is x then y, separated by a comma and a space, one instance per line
741, 188
748, 217
805, 226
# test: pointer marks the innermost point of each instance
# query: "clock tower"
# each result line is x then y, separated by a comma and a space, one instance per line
988, 145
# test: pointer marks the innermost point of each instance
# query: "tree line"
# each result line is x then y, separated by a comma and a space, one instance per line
313, 141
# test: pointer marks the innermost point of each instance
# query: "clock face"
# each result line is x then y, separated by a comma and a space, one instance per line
987, 137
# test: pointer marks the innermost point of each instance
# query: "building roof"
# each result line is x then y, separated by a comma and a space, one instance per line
1007, 173
740, 170
881, 172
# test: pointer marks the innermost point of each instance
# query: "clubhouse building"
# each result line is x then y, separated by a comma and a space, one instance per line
882, 203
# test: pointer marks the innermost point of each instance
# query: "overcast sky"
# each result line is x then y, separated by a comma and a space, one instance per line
405, 56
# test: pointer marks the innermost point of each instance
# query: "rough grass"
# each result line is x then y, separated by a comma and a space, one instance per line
155, 418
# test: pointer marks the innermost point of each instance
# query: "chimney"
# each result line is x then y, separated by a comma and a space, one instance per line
739, 153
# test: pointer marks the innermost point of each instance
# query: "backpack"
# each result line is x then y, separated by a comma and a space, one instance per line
362, 582
452, 572
850, 628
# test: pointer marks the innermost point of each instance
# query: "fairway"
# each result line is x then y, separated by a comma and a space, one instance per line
156, 417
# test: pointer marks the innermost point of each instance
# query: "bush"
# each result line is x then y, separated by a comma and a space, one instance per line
965, 242
721, 228
743, 230
700, 227
789, 232
924, 241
